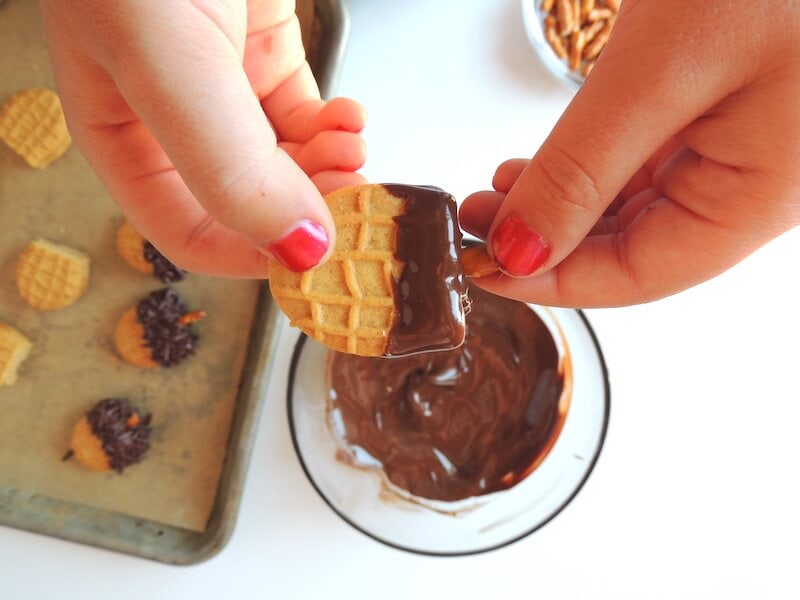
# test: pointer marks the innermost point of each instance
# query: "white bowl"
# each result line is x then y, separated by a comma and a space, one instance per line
533, 20
364, 500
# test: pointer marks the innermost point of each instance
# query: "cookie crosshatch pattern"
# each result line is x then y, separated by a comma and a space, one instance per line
348, 303
32, 124
51, 276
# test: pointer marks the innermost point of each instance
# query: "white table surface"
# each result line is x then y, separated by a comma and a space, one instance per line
695, 494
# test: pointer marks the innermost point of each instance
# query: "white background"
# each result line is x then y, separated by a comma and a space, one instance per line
695, 494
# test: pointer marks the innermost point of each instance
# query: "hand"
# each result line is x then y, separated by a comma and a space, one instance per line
203, 120
679, 157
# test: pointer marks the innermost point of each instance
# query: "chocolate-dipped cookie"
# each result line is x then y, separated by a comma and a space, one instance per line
157, 332
143, 256
394, 284
111, 436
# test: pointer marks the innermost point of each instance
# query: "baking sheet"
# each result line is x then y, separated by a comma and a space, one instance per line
66, 204
73, 364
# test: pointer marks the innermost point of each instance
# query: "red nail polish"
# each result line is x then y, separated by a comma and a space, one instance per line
302, 248
517, 248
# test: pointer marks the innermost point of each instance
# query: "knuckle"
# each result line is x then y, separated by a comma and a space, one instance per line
182, 258
227, 211
230, 196
188, 256
640, 282
636, 289
565, 185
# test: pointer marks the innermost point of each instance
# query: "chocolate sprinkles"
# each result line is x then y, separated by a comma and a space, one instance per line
162, 267
169, 340
124, 436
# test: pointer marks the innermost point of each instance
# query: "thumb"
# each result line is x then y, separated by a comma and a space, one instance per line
181, 71
649, 83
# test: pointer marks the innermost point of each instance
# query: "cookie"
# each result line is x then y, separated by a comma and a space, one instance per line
143, 256
157, 332
51, 276
33, 125
113, 435
14, 349
394, 284
476, 261
131, 343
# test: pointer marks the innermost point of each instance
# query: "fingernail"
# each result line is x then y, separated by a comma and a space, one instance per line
302, 248
517, 248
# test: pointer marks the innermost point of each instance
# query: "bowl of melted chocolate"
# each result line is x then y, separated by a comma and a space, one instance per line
458, 451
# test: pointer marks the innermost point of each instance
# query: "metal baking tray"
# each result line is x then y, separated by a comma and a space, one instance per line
325, 28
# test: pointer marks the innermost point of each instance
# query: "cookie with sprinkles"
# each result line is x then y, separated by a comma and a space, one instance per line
158, 331
111, 436
141, 255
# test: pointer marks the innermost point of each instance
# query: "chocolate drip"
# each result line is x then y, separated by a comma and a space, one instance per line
431, 286
170, 341
125, 440
457, 424
162, 267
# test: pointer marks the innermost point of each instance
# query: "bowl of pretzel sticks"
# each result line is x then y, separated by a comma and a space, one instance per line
569, 35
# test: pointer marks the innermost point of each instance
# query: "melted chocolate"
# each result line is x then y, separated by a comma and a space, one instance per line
170, 341
429, 292
162, 267
124, 443
457, 424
